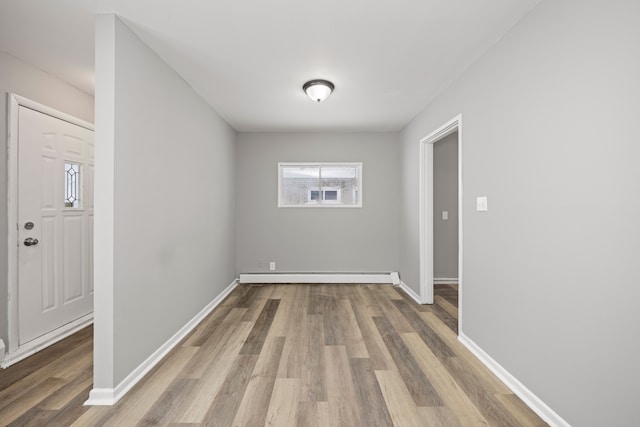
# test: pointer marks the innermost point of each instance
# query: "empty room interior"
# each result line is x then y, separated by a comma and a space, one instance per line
417, 213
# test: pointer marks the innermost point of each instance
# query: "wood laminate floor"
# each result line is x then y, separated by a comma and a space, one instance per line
285, 355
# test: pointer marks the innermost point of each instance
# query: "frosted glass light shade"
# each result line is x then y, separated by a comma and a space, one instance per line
318, 90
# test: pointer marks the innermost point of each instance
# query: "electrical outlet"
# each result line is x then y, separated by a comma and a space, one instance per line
272, 265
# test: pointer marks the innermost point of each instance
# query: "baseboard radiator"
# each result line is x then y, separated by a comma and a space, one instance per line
391, 278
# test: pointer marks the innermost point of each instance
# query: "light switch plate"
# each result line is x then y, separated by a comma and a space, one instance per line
445, 215
482, 204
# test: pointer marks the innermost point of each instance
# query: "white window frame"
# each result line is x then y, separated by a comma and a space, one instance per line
326, 203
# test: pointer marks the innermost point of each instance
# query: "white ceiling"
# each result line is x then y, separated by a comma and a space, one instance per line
249, 58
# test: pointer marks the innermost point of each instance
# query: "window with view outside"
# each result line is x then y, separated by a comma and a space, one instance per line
320, 185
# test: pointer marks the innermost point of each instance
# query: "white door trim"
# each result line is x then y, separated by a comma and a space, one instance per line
14, 102
426, 210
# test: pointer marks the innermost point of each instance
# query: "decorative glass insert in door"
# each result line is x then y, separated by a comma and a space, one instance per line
72, 187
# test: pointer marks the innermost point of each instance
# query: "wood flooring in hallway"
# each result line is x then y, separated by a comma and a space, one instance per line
285, 355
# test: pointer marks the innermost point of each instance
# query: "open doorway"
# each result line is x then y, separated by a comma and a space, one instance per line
441, 212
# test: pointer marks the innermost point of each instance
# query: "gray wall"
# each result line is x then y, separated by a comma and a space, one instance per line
551, 275
173, 206
317, 239
22, 79
445, 198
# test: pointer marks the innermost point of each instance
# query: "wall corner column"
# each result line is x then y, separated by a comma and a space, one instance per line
103, 356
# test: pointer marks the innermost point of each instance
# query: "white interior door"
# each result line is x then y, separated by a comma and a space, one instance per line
55, 223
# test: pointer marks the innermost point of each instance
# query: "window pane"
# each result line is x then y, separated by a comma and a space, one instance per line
330, 195
342, 184
71, 185
329, 184
296, 184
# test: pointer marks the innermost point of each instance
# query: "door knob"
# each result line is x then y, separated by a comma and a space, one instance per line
30, 241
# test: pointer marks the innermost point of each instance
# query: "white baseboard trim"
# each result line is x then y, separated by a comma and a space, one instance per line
378, 278
45, 341
527, 396
101, 397
407, 290
445, 281
109, 396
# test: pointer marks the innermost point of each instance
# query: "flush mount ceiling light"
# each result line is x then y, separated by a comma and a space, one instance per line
318, 90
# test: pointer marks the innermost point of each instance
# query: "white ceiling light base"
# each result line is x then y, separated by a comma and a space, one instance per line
318, 90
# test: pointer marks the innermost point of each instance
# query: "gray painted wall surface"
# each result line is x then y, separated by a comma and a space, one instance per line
317, 239
445, 198
22, 79
174, 207
550, 275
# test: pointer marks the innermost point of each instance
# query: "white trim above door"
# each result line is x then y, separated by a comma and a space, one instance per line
15, 352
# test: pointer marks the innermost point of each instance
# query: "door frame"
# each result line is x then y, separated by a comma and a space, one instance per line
426, 211
16, 352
